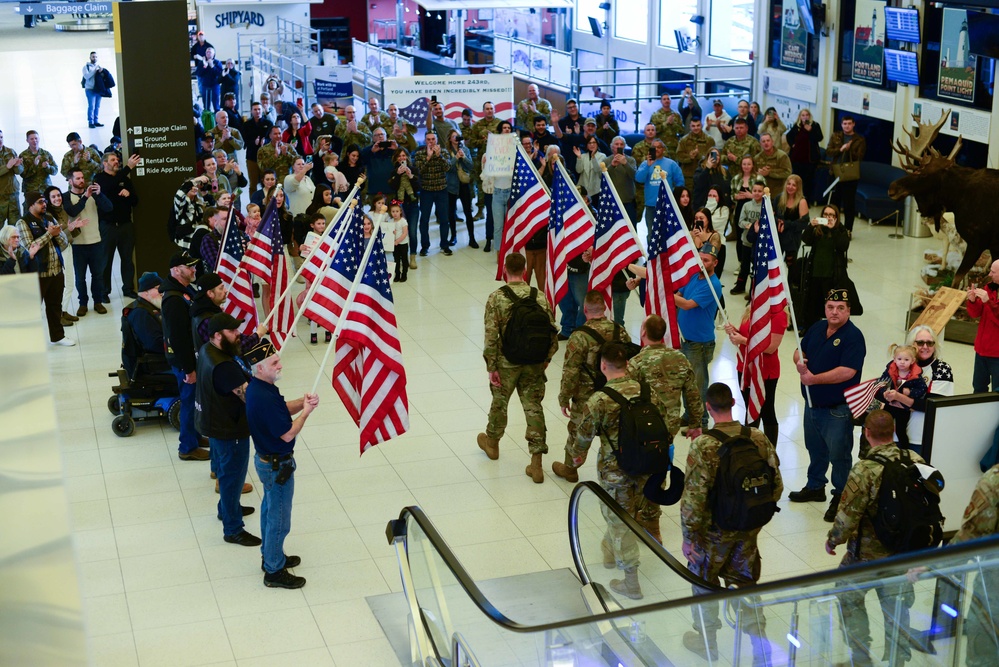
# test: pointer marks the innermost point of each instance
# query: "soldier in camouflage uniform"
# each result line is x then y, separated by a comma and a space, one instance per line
714, 554
39, 165
692, 149
80, 157
504, 376
352, 132
640, 152
854, 526
772, 163
601, 415
476, 140
740, 145
981, 519
579, 370
669, 127
277, 156
375, 118
532, 106
10, 166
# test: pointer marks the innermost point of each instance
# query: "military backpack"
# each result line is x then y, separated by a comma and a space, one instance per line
743, 496
592, 365
529, 333
908, 517
644, 445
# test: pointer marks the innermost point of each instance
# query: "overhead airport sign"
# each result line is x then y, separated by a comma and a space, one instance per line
57, 8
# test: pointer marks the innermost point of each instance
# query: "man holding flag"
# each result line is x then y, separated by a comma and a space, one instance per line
265, 259
615, 243
697, 307
570, 247
530, 205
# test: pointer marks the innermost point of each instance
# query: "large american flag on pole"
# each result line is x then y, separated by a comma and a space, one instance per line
327, 301
672, 263
368, 374
265, 258
615, 245
570, 233
530, 204
767, 303
239, 303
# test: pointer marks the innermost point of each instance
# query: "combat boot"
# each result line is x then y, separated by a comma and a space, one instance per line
652, 527
535, 471
629, 586
489, 445
694, 642
761, 651
609, 561
566, 470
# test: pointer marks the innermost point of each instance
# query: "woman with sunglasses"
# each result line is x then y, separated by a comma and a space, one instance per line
938, 375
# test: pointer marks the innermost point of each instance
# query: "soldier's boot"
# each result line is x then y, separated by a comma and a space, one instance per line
609, 561
629, 586
535, 470
489, 445
695, 642
761, 650
652, 526
566, 470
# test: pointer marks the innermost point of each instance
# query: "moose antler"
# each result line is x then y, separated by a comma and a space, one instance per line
920, 141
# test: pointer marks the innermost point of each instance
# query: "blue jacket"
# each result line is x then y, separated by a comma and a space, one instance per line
674, 177
453, 184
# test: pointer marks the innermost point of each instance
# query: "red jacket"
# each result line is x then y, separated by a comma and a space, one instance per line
987, 338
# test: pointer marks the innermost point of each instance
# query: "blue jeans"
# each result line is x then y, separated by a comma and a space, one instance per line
571, 304
439, 202
986, 374
209, 95
89, 256
412, 212
828, 439
619, 300
699, 355
93, 106
501, 197
188, 436
275, 513
233, 457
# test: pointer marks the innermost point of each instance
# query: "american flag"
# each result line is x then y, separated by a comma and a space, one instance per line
232, 270
530, 205
265, 258
368, 374
672, 263
768, 300
327, 301
320, 255
861, 396
416, 111
616, 244
570, 233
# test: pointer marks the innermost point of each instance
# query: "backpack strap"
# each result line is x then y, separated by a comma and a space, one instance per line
617, 332
510, 294
718, 435
615, 395
644, 392
597, 338
534, 293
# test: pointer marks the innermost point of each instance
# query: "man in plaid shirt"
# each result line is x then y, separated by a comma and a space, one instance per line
432, 166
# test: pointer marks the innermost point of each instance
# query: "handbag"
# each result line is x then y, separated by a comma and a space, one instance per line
463, 176
846, 171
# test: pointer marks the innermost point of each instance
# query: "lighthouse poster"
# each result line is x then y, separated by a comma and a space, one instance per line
793, 38
869, 41
957, 65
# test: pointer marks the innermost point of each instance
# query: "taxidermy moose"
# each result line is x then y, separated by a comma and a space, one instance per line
939, 185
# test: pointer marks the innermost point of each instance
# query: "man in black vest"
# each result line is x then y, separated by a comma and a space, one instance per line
220, 414
145, 323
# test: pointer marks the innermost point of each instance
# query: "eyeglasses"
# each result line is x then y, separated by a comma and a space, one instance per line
925, 343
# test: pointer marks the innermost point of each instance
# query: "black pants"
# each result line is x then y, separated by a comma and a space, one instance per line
745, 255
465, 195
122, 239
768, 411
51, 289
845, 197
400, 255
806, 170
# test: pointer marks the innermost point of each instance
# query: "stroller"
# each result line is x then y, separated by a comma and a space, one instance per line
146, 388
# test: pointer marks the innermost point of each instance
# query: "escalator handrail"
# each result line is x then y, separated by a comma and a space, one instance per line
902, 562
650, 543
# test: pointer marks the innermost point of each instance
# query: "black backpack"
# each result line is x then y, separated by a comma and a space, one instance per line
644, 445
528, 335
908, 516
743, 495
599, 380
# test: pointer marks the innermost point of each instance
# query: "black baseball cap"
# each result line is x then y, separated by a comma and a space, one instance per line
183, 259
222, 322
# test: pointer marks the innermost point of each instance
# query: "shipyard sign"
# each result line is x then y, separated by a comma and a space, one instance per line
57, 8
236, 19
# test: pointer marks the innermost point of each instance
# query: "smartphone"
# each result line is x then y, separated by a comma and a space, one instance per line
384, 144
433, 98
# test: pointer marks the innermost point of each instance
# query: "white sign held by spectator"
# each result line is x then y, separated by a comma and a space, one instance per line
501, 151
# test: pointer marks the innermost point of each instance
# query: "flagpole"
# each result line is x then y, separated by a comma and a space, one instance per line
783, 279
697, 255
225, 235
319, 276
617, 200
346, 306
325, 234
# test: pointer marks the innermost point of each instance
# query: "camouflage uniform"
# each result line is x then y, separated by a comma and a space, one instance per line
381, 120
854, 526
981, 519
89, 163
232, 144
267, 158
9, 211
669, 374
578, 370
525, 117
361, 138
476, 140
703, 143
748, 145
669, 127
780, 169
600, 416
712, 553
529, 381
36, 177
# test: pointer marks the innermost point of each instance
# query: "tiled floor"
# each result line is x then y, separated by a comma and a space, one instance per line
161, 586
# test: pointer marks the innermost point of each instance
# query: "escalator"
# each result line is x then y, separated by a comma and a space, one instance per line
455, 621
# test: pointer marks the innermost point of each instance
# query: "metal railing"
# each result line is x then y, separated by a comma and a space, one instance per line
296, 40
286, 54
371, 65
540, 63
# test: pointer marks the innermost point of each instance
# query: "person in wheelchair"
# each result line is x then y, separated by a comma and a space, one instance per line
142, 350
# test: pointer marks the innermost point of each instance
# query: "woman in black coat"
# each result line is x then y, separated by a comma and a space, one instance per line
803, 141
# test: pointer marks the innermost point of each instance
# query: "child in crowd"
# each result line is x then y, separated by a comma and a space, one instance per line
748, 232
399, 229
317, 225
904, 383
252, 218
400, 179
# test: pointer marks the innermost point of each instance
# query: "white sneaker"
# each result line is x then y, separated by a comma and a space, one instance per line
65, 342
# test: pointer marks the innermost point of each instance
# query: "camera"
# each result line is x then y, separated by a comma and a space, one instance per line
384, 144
